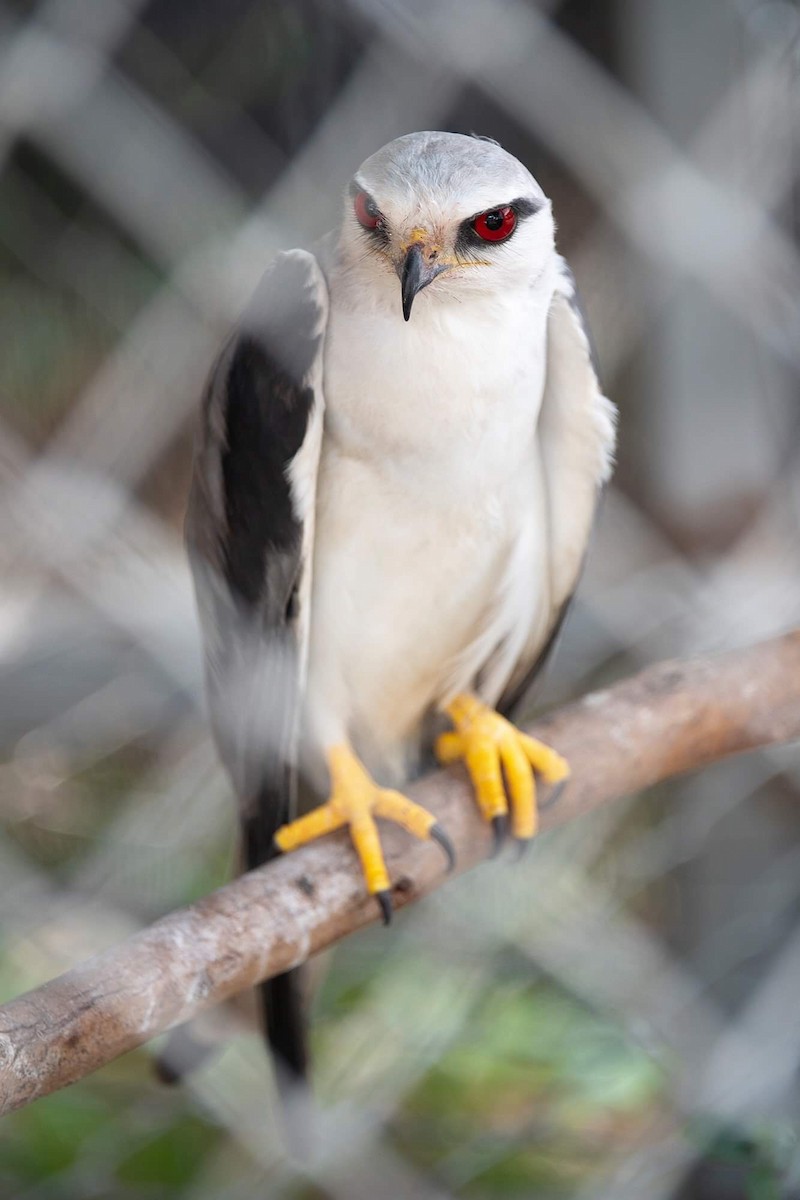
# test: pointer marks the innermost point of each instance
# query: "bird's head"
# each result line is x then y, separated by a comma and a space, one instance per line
448, 209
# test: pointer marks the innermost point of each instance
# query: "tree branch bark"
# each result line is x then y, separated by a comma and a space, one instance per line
671, 718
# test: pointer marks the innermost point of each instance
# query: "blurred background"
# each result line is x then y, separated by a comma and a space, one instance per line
619, 1018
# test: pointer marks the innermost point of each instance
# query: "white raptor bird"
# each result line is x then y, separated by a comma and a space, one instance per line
389, 516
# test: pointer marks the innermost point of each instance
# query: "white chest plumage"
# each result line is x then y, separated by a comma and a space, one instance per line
431, 530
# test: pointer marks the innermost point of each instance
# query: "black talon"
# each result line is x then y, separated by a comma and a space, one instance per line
499, 829
554, 796
523, 846
385, 901
439, 835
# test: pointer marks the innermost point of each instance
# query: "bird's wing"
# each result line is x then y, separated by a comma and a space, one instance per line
575, 438
250, 535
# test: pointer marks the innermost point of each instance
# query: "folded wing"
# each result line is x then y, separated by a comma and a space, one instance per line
576, 439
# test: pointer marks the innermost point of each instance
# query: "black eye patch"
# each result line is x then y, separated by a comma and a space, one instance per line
468, 239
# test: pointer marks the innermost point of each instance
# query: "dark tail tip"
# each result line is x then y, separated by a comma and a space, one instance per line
283, 1008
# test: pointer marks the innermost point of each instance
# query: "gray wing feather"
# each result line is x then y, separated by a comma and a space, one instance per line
576, 439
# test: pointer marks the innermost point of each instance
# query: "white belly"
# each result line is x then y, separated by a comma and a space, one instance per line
431, 537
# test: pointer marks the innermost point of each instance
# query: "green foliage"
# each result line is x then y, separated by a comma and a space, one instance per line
529, 1098
95, 1132
171, 1157
758, 1157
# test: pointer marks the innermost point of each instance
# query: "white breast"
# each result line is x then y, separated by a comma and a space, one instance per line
431, 535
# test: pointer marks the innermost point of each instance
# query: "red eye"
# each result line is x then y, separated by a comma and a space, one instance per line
495, 225
366, 210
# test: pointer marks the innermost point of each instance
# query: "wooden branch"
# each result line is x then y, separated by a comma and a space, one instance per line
671, 718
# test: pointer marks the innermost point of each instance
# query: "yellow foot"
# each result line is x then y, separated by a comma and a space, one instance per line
492, 747
355, 801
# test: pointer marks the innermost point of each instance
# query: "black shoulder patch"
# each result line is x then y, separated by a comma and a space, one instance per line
267, 405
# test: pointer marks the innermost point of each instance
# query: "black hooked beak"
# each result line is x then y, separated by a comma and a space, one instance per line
416, 275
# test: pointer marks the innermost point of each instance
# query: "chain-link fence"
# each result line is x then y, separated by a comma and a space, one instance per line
619, 1017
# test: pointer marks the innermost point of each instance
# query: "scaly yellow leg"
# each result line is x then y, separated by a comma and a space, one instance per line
493, 749
355, 801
